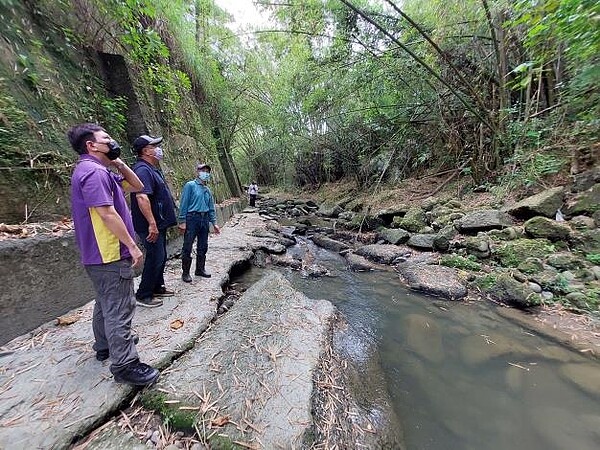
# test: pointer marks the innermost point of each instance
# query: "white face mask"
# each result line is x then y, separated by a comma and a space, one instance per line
158, 153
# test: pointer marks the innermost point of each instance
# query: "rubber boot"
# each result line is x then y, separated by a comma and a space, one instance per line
200, 262
186, 264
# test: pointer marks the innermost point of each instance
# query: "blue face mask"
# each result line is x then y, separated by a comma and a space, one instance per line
204, 176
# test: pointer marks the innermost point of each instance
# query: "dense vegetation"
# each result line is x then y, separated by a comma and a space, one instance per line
386, 90
496, 91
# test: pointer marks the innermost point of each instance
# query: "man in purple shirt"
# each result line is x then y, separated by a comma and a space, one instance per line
104, 234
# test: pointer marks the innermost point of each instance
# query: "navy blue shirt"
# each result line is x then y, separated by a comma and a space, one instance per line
161, 200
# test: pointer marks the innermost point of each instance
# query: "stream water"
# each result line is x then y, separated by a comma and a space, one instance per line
459, 376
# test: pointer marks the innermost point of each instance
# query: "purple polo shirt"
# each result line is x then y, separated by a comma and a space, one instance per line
93, 185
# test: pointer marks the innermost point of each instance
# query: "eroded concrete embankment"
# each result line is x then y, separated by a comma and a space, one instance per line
42, 277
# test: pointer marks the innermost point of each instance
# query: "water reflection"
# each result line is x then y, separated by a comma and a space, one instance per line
461, 376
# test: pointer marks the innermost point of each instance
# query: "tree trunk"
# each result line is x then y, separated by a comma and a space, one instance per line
228, 169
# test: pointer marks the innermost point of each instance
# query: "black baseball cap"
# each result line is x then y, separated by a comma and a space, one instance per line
144, 140
203, 166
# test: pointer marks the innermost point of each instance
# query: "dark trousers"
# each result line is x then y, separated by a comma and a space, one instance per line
252, 200
113, 311
154, 264
196, 226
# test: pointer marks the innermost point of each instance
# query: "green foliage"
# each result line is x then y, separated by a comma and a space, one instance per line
30, 75
460, 262
486, 282
565, 30
594, 258
560, 285
573, 22
113, 114
13, 129
149, 52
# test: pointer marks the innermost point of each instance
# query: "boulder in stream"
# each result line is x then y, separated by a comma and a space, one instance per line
383, 253
358, 263
328, 243
434, 280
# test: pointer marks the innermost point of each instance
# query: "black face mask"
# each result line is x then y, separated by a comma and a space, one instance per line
114, 150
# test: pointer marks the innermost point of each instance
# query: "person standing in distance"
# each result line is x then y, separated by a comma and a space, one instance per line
252, 193
104, 234
196, 213
153, 212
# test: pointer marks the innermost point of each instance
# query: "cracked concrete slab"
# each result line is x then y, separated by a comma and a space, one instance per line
253, 371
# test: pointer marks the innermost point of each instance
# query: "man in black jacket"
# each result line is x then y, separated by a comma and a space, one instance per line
153, 212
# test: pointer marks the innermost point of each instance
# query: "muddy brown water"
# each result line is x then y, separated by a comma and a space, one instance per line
459, 376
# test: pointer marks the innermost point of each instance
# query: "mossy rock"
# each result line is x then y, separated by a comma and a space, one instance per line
393, 235
531, 266
582, 223
542, 227
547, 279
363, 222
586, 241
565, 261
460, 262
513, 253
429, 203
443, 221
512, 292
586, 203
486, 282
478, 246
413, 221
587, 300
507, 234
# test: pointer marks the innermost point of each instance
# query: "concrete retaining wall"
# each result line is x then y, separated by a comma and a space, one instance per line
42, 278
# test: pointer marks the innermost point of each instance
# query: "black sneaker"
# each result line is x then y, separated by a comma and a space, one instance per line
136, 374
149, 302
103, 355
163, 292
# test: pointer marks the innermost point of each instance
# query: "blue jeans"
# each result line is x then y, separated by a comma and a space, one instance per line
154, 264
196, 226
113, 311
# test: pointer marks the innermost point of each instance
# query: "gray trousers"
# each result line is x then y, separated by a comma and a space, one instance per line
113, 311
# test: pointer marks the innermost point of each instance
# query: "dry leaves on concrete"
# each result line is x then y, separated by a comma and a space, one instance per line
176, 324
220, 421
67, 320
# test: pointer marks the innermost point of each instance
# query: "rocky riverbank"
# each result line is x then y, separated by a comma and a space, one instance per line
540, 254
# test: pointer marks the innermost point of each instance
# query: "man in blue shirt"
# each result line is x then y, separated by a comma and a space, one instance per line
196, 213
153, 212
